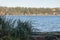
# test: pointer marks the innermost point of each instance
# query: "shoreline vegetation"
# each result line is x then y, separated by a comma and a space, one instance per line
22, 31
8, 30
29, 11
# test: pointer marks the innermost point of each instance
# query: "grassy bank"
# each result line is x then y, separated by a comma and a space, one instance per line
20, 31
8, 30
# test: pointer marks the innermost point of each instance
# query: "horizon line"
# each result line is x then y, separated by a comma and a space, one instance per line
29, 7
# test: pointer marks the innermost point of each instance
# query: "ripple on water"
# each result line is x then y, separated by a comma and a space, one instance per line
43, 23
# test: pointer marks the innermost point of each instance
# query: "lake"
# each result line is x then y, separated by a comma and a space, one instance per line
42, 23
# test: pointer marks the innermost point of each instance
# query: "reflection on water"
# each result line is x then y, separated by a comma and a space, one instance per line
43, 23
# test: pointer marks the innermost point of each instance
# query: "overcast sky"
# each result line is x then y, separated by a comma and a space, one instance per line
30, 3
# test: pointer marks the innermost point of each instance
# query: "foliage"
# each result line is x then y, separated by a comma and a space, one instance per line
8, 32
28, 11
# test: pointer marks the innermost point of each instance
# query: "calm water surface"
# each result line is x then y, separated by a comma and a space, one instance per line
43, 23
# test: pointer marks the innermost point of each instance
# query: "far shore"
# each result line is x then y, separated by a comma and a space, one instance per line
31, 15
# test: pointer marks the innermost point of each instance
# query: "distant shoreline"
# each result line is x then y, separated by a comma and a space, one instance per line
30, 11
29, 15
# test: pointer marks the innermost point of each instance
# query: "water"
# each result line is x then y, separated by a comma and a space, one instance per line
42, 23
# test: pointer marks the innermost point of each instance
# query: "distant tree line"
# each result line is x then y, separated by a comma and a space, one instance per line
28, 11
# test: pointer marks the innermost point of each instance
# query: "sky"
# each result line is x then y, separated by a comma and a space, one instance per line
30, 3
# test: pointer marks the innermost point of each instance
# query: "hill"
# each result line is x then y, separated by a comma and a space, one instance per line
29, 11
